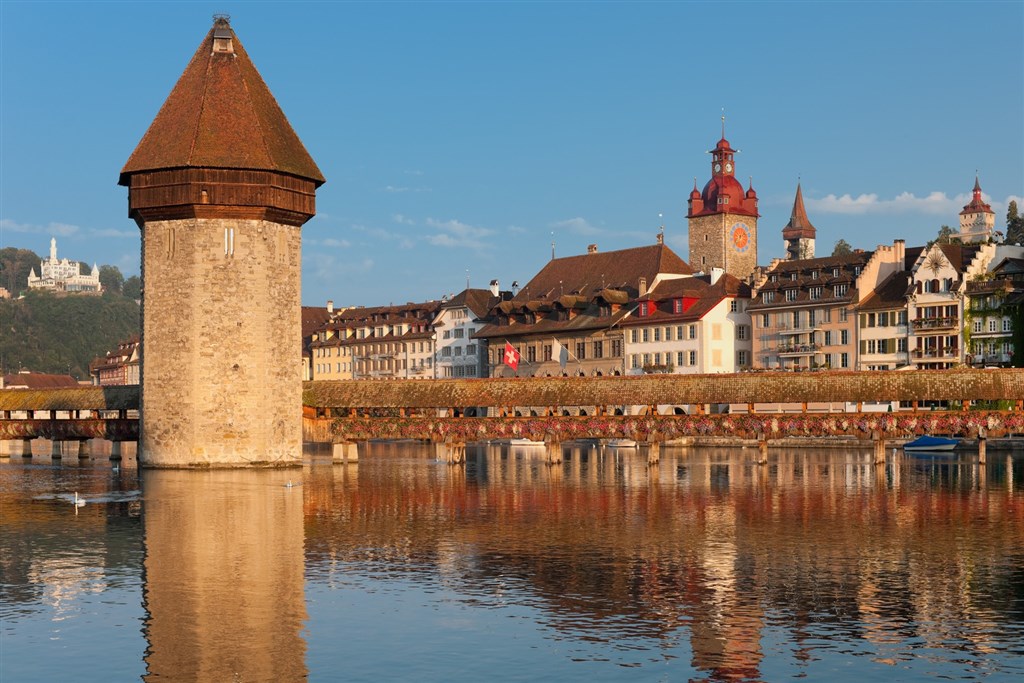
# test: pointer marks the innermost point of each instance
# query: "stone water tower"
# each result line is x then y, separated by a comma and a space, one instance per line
220, 186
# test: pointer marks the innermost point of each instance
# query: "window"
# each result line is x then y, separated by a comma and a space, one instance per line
657, 359
581, 350
741, 359
901, 344
792, 276
458, 350
1007, 325
734, 306
458, 333
446, 351
764, 320
815, 292
796, 319
643, 309
844, 337
691, 331
768, 297
531, 354
978, 325
634, 336
692, 358
471, 350
668, 334
645, 335
843, 315
679, 358
616, 348
679, 333
841, 290
677, 305
598, 349
634, 361
992, 324
844, 360
657, 334
742, 333
791, 295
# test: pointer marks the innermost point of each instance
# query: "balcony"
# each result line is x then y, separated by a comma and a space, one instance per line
795, 350
990, 360
791, 331
945, 323
947, 354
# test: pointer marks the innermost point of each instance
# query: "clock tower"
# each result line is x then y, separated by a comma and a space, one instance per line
723, 218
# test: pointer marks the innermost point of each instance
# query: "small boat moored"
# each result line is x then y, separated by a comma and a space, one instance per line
930, 444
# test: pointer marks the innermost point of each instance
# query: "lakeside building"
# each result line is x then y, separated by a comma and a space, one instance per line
696, 324
882, 325
119, 366
804, 310
456, 352
381, 342
994, 310
313, 318
567, 319
64, 275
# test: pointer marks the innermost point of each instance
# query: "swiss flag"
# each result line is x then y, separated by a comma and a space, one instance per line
511, 356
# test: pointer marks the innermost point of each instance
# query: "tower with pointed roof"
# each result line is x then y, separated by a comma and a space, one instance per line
977, 220
220, 186
799, 234
723, 218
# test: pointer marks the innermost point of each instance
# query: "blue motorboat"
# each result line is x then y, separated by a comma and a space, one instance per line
930, 444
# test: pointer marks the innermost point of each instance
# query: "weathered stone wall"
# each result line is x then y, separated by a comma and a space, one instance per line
717, 250
221, 366
766, 387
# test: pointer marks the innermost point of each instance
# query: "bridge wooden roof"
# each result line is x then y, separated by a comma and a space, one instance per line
765, 387
71, 398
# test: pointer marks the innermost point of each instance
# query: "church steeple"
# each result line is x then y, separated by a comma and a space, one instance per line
977, 220
799, 233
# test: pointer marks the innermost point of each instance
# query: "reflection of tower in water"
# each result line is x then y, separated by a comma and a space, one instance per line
224, 590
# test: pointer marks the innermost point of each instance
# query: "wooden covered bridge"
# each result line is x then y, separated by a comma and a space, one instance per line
647, 409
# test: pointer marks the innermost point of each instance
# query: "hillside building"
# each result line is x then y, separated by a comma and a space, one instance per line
63, 275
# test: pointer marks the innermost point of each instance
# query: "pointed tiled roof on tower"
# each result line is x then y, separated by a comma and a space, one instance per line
799, 225
221, 114
977, 203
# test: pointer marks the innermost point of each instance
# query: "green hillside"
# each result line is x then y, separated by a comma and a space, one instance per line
62, 333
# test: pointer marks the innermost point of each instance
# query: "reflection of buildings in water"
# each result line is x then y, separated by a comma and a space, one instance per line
606, 552
224, 586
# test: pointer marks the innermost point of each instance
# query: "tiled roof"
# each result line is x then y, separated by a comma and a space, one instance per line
891, 293
221, 114
313, 318
799, 275
479, 301
38, 380
588, 274
706, 296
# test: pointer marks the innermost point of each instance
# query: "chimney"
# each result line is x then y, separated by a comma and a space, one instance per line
661, 238
643, 286
330, 306
591, 248
495, 288
716, 274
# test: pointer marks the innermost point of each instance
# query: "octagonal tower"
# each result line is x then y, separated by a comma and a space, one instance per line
220, 186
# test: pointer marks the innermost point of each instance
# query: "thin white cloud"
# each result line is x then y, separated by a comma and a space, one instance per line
403, 220
113, 232
454, 233
577, 225
53, 229
935, 203
332, 242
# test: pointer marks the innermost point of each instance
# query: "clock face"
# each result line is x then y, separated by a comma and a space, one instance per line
740, 234
718, 167
728, 168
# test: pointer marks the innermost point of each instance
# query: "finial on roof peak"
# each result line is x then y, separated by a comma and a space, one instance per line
221, 19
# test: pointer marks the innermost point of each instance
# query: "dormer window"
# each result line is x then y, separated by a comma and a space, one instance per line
775, 278
769, 297
814, 275
835, 272
644, 309
792, 276
677, 305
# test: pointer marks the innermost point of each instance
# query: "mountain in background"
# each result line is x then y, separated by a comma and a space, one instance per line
62, 333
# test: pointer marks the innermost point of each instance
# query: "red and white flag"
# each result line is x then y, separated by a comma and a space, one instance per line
511, 356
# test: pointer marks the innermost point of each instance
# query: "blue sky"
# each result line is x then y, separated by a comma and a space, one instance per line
457, 137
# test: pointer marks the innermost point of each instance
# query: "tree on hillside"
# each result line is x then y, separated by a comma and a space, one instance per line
945, 236
15, 265
842, 248
132, 288
1014, 225
111, 278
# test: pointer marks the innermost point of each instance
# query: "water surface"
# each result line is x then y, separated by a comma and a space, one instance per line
706, 567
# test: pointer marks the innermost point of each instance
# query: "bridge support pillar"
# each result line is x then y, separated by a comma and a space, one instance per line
56, 452
553, 451
982, 445
26, 448
653, 453
84, 450
346, 451
115, 450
